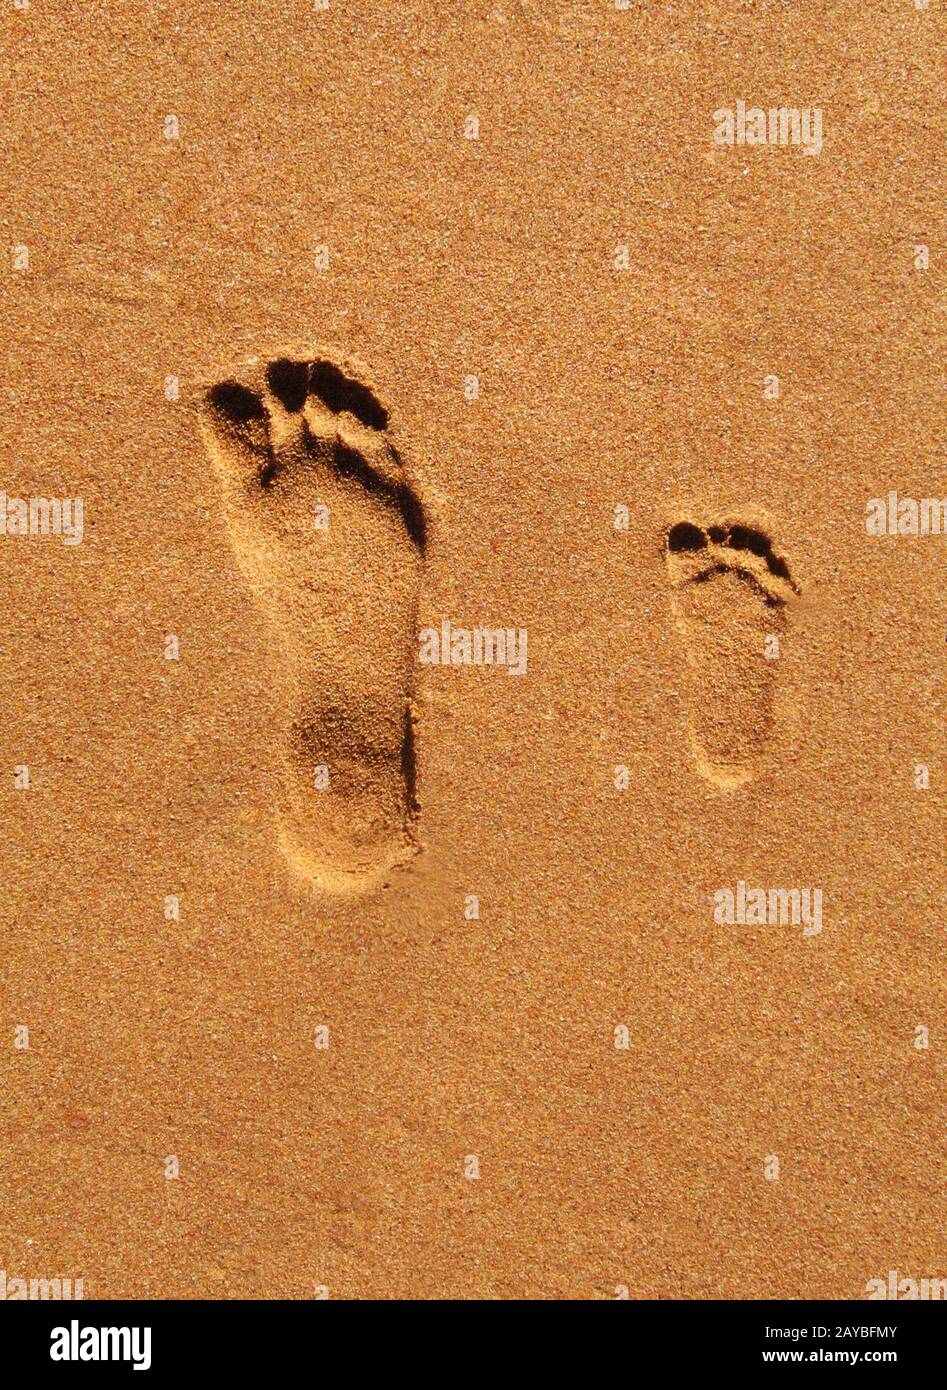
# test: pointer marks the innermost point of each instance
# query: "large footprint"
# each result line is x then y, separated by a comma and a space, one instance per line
330, 536
730, 595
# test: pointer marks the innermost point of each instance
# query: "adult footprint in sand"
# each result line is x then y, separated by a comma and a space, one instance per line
730, 596
330, 536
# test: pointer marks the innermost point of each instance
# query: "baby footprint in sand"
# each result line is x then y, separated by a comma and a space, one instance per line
330, 537
730, 597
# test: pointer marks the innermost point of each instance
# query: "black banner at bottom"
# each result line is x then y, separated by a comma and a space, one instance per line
167, 1338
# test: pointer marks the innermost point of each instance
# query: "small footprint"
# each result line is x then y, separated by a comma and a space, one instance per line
298, 444
730, 596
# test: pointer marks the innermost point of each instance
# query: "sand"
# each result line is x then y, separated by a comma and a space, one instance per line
468, 1020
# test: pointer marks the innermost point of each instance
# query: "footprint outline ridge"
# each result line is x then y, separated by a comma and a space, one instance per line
285, 434
731, 593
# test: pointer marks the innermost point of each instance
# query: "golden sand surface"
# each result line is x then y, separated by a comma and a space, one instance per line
345, 323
